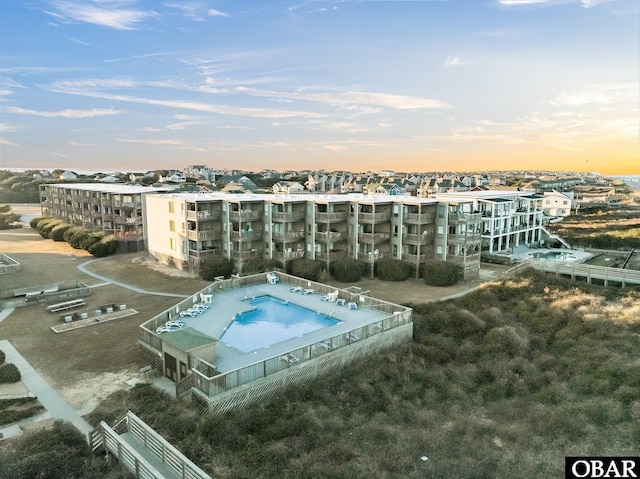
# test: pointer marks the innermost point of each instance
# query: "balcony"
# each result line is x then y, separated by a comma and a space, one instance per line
459, 259
417, 239
245, 215
244, 255
419, 219
288, 217
204, 215
330, 236
204, 253
415, 258
127, 220
246, 235
331, 217
287, 237
331, 255
194, 235
370, 257
127, 204
463, 238
287, 255
128, 236
373, 238
462, 218
374, 217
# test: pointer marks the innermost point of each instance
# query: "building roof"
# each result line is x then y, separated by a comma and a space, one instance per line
187, 339
110, 187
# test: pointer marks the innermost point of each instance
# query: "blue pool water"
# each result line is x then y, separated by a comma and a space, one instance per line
272, 321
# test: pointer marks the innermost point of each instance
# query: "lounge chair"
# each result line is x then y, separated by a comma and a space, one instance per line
307, 291
353, 305
289, 358
295, 289
340, 302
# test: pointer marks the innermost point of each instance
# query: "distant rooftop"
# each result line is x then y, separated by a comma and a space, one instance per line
111, 187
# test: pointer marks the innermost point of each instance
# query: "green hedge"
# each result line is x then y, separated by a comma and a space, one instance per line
439, 273
2, 357
256, 266
307, 268
57, 233
347, 270
9, 373
389, 269
104, 247
216, 266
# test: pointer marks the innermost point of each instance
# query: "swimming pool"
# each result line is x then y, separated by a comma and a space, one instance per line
271, 322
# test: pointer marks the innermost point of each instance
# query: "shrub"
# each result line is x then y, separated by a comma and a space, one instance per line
439, 273
347, 270
74, 236
216, 266
90, 239
34, 221
389, 269
2, 357
255, 266
46, 225
307, 268
105, 247
9, 373
57, 233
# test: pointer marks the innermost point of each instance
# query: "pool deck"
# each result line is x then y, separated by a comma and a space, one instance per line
225, 305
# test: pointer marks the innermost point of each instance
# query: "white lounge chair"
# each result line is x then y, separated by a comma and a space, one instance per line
340, 301
295, 289
307, 291
353, 305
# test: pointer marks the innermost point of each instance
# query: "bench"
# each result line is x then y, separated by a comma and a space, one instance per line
74, 303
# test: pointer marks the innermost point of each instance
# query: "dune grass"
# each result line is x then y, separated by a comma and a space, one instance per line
503, 382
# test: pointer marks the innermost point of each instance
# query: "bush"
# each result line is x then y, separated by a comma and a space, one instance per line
216, 266
389, 269
9, 373
90, 239
2, 357
255, 266
439, 273
74, 236
34, 221
57, 233
307, 268
105, 247
347, 270
46, 225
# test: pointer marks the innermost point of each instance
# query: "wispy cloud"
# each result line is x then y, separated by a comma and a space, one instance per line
4, 141
453, 61
196, 10
212, 12
99, 13
64, 113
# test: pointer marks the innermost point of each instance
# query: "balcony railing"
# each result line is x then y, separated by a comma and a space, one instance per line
419, 218
331, 255
374, 217
330, 236
204, 235
242, 255
127, 204
415, 258
287, 237
288, 216
373, 238
246, 235
463, 238
331, 217
459, 259
417, 239
458, 218
204, 215
122, 220
204, 253
287, 255
128, 236
370, 258
245, 215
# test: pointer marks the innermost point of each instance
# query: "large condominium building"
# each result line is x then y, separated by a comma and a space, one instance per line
508, 218
185, 229
112, 209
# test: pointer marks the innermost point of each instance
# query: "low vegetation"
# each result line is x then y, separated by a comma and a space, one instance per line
439, 273
347, 270
503, 382
389, 269
14, 410
216, 266
96, 243
307, 268
9, 219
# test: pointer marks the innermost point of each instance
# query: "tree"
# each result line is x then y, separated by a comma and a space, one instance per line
216, 266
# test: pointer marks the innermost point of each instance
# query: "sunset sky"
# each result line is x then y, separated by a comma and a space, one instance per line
459, 85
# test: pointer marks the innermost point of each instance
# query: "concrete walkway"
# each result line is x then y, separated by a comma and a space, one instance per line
54, 403
105, 281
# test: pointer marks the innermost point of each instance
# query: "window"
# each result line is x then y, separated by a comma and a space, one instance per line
172, 226
439, 250
172, 243
183, 227
171, 207
440, 229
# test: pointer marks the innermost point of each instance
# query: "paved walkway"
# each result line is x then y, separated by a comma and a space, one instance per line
106, 281
54, 403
